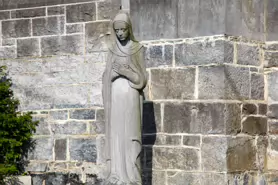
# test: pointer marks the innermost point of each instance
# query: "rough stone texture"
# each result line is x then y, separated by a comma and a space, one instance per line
262, 147
8, 42
43, 149
173, 83
74, 28
4, 15
214, 179
224, 82
60, 149
159, 56
59, 115
37, 167
42, 128
108, 9
273, 111
271, 59
81, 12
262, 109
201, 53
100, 115
94, 36
273, 127
151, 117
274, 143
37, 12
84, 114
69, 128
28, 47
173, 158
7, 52
191, 141
16, 28
56, 10
97, 127
257, 86
161, 140
48, 26
70, 44
272, 22
182, 178
83, 150
249, 108
248, 55
255, 125
271, 46
273, 86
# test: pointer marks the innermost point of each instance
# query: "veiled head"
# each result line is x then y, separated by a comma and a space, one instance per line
121, 29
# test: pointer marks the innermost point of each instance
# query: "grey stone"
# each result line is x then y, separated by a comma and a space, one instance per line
83, 114
60, 149
159, 56
94, 36
43, 127
4, 15
274, 143
273, 127
37, 167
192, 141
37, 12
83, 150
56, 10
255, 125
248, 55
59, 115
28, 47
249, 108
173, 158
16, 28
48, 26
272, 86
100, 115
69, 128
172, 83
37, 179
214, 179
70, 44
243, 178
153, 177
53, 166
101, 156
56, 179
81, 12
271, 46
7, 52
224, 82
257, 86
271, 22
271, 59
43, 149
183, 178
8, 42
262, 147
75, 28
97, 127
151, 117
273, 111
162, 140
108, 9
262, 109
206, 52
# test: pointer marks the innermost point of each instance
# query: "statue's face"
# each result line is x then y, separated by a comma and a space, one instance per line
122, 31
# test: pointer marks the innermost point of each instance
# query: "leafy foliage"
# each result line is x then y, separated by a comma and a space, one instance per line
16, 130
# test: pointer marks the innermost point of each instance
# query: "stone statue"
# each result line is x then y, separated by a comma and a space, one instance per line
123, 81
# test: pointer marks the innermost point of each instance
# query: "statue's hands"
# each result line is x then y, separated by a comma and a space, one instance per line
123, 70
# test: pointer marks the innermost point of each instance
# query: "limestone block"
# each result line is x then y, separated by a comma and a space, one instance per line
151, 117
257, 86
100, 115
271, 59
83, 150
253, 125
43, 127
161, 139
83, 114
43, 149
37, 12
7, 52
153, 177
182, 178
70, 44
274, 143
48, 26
56, 178
271, 46
108, 9
272, 86
8, 42
249, 108
74, 28
158, 56
59, 115
202, 53
81, 12
37, 167
273, 127
224, 82
100, 144
28, 47
272, 160
172, 83
192, 141
25, 180
60, 149
56, 10
272, 22
173, 158
214, 179
271, 178
69, 128
4, 15
262, 147
273, 111
16, 28
97, 127
262, 109
248, 55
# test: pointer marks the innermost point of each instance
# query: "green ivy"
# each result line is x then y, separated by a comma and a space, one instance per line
16, 130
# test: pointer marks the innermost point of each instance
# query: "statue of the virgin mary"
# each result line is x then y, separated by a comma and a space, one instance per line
123, 82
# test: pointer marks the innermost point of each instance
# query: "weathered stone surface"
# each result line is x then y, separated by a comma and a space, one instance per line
271, 59
48, 26
37, 167
56, 10
158, 56
70, 44
97, 127
271, 46
83, 150
214, 179
248, 55
74, 28
81, 12
224, 82
192, 141
16, 28
274, 143
273, 111
28, 47
272, 22
249, 108
4, 15
60, 149
201, 53
160, 139
262, 109
257, 86
43, 149
272, 160
94, 36
271, 178
42, 128
153, 177
151, 117
173, 158
69, 128
173, 83
182, 178
100, 115
108, 9
243, 178
255, 125
8, 42
7, 52
273, 127
59, 115
262, 147
56, 178
37, 12
84, 114
273, 86
100, 144
241, 154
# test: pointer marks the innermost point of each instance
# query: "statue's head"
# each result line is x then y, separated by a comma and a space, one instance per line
122, 27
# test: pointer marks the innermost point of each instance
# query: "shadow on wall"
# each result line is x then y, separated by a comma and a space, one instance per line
148, 139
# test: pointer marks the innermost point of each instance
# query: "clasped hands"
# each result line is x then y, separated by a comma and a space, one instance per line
121, 69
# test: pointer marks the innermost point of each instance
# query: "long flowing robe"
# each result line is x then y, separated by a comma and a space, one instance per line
123, 109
